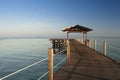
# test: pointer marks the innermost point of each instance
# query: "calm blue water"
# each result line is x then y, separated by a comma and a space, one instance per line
19, 53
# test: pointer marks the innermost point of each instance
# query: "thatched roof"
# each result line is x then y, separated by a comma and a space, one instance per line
77, 28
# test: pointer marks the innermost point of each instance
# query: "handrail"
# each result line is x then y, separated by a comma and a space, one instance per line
59, 62
108, 49
13, 73
59, 52
48, 71
23, 69
43, 75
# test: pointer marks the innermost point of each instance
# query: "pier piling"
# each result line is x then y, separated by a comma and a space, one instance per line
95, 45
89, 43
50, 63
104, 48
68, 51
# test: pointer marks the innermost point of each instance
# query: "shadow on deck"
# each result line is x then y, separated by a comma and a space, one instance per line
87, 64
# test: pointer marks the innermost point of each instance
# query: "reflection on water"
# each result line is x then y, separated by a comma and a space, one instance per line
18, 53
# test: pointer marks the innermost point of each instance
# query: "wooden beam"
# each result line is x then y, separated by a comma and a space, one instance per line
68, 51
105, 48
95, 45
67, 35
50, 63
83, 37
86, 35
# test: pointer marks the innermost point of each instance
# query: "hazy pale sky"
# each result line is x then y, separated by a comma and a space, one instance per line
48, 17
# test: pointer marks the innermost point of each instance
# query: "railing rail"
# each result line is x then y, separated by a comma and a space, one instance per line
54, 68
108, 50
22, 69
43, 75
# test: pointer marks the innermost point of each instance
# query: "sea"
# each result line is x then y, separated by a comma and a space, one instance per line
18, 53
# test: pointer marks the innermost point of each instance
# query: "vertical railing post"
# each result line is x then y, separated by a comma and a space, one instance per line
83, 38
95, 45
64, 44
89, 44
67, 35
50, 63
68, 51
105, 48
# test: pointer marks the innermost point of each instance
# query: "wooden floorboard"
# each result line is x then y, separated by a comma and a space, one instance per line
87, 64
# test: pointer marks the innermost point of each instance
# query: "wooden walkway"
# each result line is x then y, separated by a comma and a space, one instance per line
87, 64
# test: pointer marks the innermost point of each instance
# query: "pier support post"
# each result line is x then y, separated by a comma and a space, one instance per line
50, 63
68, 51
89, 45
67, 35
105, 48
95, 45
83, 38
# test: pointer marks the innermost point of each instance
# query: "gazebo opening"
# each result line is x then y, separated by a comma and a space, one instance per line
78, 29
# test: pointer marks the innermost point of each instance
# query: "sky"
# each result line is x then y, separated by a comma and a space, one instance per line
46, 18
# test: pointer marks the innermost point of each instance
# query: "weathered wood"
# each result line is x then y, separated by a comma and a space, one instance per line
104, 48
58, 44
83, 38
86, 35
50, 63
77, 28
89, 43
87, 64
68, 51
95, 45
67, 35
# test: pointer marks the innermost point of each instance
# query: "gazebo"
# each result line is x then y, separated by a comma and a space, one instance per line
77, 29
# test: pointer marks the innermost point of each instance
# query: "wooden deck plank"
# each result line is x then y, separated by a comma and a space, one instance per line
87, 64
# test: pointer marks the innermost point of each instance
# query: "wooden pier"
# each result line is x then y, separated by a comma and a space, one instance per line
87, 64
58, 44
84, 63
